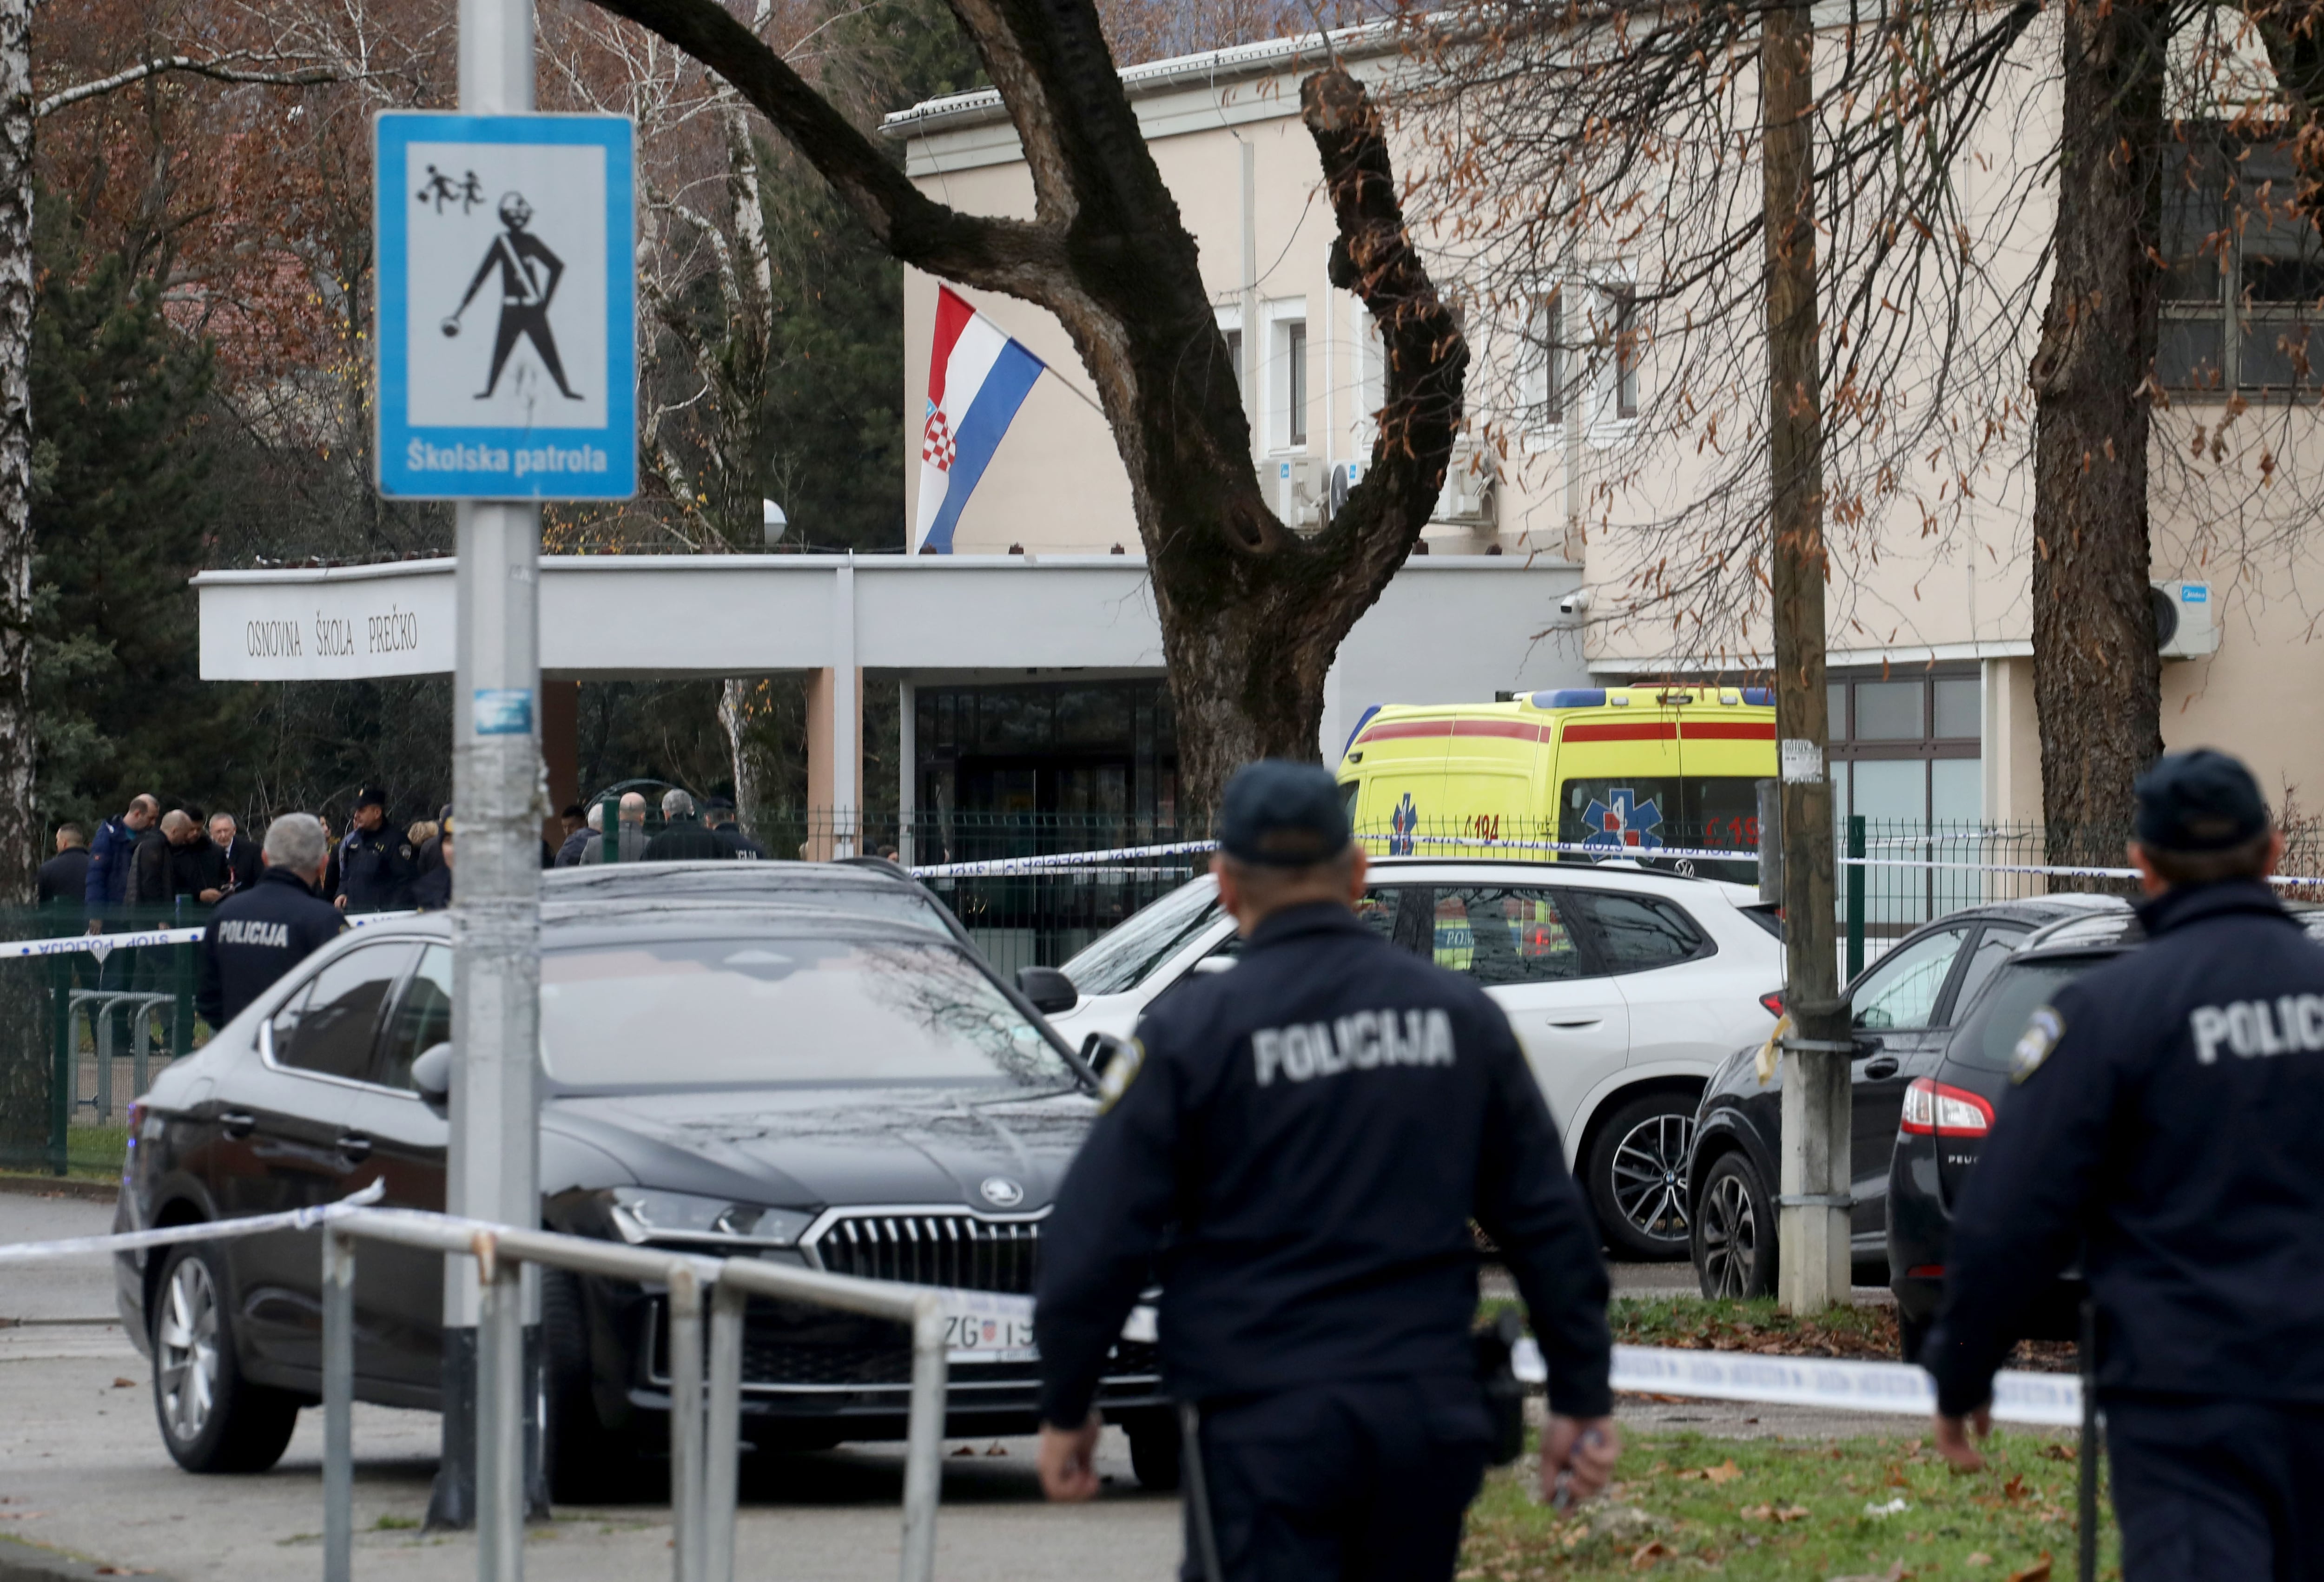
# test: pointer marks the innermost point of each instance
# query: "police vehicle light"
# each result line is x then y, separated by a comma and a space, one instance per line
643, 1216
1933, 1108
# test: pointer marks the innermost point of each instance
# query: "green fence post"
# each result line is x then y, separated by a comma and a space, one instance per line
181, 1017
60, 1081
609, 815
1855, 895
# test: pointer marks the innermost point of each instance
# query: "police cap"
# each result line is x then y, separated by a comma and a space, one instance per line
371, 796
2198, 801
1281, 815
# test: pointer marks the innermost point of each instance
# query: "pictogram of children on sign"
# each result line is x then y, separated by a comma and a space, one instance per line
530, 272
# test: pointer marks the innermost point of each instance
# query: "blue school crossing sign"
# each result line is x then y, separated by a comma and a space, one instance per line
507, 327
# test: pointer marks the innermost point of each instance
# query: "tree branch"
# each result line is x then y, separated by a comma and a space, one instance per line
1427, 358
1023, 259
216, 70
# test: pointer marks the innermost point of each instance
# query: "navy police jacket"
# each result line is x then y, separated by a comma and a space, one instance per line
376, 868
2167, 1118
254, 937
1297, 1154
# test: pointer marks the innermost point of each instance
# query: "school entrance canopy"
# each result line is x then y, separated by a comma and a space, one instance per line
1448, 628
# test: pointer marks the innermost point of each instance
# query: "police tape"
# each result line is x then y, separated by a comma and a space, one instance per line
995, 867
997, 1327
132, 1241
102, 945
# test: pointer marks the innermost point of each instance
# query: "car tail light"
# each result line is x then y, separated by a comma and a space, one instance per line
1773, 1002
1933, 1108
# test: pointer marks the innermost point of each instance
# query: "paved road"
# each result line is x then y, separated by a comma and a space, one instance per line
82, 1471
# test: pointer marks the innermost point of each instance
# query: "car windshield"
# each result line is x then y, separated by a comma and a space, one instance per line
1998, 1020
891, 902
757, 1011
1126, 957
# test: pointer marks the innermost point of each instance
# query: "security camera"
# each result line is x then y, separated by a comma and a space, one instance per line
1576, 602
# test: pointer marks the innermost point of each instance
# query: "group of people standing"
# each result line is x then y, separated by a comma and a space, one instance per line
146, 860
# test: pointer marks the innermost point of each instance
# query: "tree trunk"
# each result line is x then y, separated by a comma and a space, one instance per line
735, 714
1252, 613
2096, 675
20, 822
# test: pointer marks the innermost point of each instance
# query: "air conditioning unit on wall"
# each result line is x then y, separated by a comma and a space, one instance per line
1301, 492
1468, 494
2184, 627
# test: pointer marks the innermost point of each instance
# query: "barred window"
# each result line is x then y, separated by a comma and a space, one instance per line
2243, 287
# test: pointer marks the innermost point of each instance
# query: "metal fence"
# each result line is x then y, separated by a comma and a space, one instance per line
705, 1403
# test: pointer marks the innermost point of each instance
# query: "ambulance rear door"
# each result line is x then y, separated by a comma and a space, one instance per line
1492, 764
1400, 763
1617, 778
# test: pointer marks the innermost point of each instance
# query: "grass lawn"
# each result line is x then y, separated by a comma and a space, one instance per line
1875, 1509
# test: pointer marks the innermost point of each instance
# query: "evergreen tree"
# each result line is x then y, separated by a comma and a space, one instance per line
121, 512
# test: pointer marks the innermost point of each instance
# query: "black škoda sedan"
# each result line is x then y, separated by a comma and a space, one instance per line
842, 1092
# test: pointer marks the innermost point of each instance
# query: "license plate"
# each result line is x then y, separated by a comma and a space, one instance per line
971, 1338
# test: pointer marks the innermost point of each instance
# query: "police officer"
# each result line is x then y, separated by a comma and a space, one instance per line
376, 863
2165, 1126
1296, 1149
259, 934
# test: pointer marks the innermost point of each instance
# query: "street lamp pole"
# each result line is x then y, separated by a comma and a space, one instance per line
499, 800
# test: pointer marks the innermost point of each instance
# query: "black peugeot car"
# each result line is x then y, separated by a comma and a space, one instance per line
1901, 1011
1949, 1112
844, 1091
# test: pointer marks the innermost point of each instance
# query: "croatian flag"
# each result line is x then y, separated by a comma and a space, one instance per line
977, 378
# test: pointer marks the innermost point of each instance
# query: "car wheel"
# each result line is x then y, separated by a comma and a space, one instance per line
1734, 1231
587, 1461
212, 1418
1637, 1176
1154, 1450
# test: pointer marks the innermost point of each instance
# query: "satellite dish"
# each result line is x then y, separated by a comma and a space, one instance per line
776, 522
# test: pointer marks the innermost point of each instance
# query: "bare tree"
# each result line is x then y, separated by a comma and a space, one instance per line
1252, 613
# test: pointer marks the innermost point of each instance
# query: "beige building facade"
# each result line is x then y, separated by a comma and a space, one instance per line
1931, 638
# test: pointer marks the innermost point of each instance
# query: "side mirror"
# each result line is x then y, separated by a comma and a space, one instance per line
431, 1076
1098, 1050
1050, 990
1211, 965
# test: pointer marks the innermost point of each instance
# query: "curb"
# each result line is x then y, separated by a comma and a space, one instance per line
58, 1186
25, 1562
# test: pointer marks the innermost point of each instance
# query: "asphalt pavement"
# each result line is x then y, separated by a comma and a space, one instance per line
83, 1473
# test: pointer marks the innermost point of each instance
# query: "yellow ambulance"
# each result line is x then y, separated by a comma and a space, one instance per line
1625, 769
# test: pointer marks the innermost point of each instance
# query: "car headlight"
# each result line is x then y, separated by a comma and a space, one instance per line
640, 1215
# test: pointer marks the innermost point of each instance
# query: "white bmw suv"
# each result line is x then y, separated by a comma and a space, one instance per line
1626, 988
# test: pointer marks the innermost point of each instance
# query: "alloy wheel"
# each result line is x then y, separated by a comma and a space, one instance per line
184, 1350
1649, 1168
1730, 1237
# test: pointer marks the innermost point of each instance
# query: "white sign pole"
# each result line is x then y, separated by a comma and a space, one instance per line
496, 794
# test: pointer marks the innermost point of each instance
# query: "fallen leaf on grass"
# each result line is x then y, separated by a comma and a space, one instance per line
1895, 1573
2014, 1489
1980, 1558
2039, 1571
1725, 1472
2056, 1452
1646, 1554
1773, 1513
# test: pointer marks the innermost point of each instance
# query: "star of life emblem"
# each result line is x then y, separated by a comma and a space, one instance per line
937, 446
1621, 820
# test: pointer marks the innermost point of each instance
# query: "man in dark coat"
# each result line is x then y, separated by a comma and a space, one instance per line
259, 934
64, 877
240, 852
110, 856
376, 862
684, 838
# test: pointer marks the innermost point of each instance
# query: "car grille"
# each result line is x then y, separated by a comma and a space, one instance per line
954, 1249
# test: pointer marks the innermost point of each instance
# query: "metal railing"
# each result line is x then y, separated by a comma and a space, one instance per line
706, 1412
705, 1392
